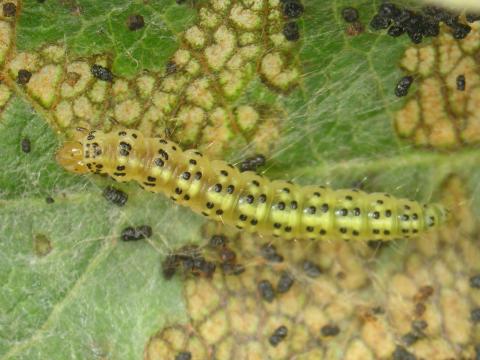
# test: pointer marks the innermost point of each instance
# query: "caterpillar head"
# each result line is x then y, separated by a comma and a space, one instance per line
70, 156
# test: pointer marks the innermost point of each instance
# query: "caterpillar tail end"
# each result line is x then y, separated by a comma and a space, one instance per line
436, 215
70, 156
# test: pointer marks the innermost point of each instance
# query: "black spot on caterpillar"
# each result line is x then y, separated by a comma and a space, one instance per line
248, 201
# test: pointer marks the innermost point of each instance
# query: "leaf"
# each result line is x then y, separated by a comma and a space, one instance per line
54, 295
70, 288
90, 27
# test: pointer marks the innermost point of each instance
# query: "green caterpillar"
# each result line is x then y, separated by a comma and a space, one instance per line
249, 201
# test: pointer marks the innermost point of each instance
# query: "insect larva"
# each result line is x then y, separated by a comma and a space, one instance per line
249, 201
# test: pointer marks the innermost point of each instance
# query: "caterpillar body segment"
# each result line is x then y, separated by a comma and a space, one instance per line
247, 200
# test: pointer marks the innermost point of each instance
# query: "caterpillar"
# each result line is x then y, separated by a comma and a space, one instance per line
247, 200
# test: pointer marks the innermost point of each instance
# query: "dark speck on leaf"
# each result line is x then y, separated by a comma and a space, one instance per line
218, 240
292, 9
269, 252
101, 73
403, 85
115, 196
471, 17
135, 22
285, 282
379, 22
26, 145
278, 335
9, 9
350, 14
475, 315
266, 291
136, 233
410, 338
395, 31
311, 269
388, 10
461, 82
330, 330
460, 31
184, 355
251, 163
291, 32
171, 67
23, 76
475, 281
401, 353
419, 23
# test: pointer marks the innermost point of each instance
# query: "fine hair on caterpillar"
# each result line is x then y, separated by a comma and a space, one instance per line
247, 200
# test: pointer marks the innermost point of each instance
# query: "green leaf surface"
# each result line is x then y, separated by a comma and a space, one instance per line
69, 287
91, 291
94, 27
